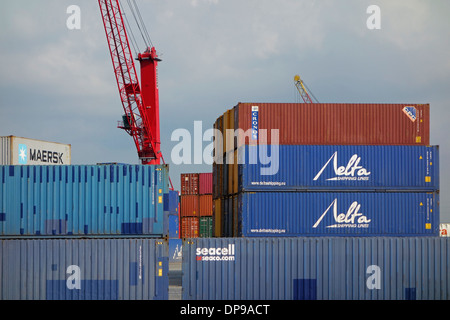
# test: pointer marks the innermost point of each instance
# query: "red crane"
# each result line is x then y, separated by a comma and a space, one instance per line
140, 102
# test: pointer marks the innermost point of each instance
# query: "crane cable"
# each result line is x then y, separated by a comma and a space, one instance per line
140, 22
309, 91
130, 31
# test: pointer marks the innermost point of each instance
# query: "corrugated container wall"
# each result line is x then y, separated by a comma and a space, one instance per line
357, 168
171, 205
83, 200
333, 124
217, 217
174, 226
196, 202
171, 202
205, 183
25, 151
189, 183
205, 227
190, 206
189, 227
316, 269
205, 205
84, 269
276, 214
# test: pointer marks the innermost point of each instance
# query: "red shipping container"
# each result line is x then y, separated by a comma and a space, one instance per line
189, 227
205, 183
189, 183
206, 205
335, 123
190, 206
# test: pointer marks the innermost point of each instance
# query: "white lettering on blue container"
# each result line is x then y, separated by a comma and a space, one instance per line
255, 110
352, 219
410, 111
352, 171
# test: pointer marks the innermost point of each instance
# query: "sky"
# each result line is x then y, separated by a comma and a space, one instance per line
57, 84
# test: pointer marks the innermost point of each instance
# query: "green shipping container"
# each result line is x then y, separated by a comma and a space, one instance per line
206, 227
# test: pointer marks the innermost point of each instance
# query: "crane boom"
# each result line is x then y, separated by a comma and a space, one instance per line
301, 87
140, 104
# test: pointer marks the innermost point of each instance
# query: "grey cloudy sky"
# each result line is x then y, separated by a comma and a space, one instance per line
58, 84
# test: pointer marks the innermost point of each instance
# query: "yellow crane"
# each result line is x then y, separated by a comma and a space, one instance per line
302, 89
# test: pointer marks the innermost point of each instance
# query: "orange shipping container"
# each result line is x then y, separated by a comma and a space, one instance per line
189, 183
217, 218
335, 123
189, 227
189, 206
206, 205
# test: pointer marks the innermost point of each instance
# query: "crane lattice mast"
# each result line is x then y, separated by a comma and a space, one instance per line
140, 103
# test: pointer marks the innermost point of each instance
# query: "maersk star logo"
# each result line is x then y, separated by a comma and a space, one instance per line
22, 154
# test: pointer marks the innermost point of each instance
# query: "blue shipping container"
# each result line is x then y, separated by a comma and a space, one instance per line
175, 250
322, 268
84, 269
361, 168
337, 214
174, 226
171, 201
83, 200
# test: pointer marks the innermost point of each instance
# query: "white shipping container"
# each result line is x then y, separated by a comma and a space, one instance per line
24, 151
444, 230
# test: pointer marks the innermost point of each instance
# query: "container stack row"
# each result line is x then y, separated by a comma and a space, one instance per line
84, 231
325, 170
196, 206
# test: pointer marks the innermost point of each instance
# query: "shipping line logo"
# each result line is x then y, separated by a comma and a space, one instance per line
410, 111
255, 110
23, 154
37, 155
215, 254
352, 171
352, 219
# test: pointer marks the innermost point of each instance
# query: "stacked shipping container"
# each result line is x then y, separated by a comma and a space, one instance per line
83, 200
337, 194
172, 207
196, 209
317, 268
25, 151
288, 169
51, 217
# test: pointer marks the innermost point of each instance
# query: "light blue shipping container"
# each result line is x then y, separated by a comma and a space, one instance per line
316, 268
83, 200
349, 167
84, 269
287, 214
